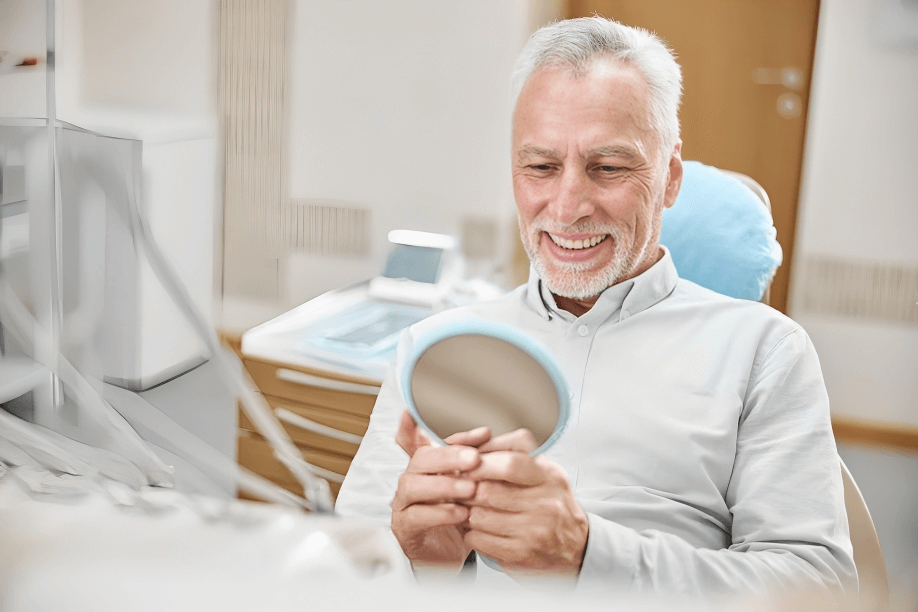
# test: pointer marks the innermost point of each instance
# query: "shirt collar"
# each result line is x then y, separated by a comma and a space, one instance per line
626, 298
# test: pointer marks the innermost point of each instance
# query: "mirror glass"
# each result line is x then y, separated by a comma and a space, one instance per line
463, 377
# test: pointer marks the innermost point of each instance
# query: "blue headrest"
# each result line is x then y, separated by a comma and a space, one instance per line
720, 234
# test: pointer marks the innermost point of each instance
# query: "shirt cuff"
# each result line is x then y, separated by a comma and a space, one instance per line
610, 558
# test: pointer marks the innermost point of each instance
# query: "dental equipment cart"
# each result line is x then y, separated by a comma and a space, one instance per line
320, 367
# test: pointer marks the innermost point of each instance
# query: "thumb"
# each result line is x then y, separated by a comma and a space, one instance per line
409, 436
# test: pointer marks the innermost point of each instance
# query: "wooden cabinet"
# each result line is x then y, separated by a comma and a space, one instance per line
325, 414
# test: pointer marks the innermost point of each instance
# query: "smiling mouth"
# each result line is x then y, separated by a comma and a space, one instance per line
576, 245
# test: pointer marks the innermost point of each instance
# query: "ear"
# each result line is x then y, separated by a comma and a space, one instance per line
674, 182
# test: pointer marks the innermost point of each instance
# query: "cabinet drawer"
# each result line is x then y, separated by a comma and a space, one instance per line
321, 416
285, 383
256, 454
332, 417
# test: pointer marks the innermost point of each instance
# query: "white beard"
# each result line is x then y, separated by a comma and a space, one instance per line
578, 280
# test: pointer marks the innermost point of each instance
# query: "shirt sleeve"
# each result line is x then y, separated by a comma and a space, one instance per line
789, 529
371, 481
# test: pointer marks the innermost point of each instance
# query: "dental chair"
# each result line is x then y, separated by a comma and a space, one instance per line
720, 235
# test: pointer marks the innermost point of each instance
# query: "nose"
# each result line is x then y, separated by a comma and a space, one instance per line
573, 199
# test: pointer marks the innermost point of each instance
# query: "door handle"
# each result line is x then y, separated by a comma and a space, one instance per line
790, 77
789, 104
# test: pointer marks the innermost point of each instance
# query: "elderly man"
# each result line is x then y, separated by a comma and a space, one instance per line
700, 457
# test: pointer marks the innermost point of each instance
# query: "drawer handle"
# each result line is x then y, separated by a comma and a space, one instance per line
309, 425
326, 474
301, 378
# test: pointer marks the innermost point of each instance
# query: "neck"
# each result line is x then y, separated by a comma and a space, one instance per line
575, 307
579, 307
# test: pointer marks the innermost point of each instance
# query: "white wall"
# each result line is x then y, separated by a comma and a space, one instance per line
22, 34
154, 56
859, 203
400, 107
861, 189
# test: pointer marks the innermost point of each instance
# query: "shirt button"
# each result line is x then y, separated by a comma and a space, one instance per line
583, 330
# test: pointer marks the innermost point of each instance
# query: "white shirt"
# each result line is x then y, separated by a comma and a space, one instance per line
700, 444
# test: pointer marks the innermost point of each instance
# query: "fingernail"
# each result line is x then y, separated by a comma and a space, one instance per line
479, 430
468, 456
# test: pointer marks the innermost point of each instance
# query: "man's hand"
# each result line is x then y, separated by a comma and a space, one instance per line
494, 498
410, 437
428, 514
524, 514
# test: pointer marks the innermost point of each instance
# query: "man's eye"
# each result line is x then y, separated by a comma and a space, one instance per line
608, 168
541, 167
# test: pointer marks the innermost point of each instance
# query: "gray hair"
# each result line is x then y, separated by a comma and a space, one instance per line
574, 45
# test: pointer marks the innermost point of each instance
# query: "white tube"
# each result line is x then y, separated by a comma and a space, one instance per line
27, 330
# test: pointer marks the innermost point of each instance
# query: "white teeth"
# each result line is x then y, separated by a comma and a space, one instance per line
576, 245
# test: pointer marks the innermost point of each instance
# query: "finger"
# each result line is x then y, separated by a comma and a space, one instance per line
424, 488
505, 496
444, 460
510, 466
405, 433
520, 440
476, 437
427, 516
409, 436
495, 522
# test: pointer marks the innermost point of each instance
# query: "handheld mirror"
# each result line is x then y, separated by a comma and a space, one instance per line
468, 374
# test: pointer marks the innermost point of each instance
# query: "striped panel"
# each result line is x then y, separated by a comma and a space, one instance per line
324, 228
253, 112
859, 290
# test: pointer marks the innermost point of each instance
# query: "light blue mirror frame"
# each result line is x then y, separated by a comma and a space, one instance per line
501, 332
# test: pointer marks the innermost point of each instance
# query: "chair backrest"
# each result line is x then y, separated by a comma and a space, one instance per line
868, 555
760, 193
720, 232
752, 184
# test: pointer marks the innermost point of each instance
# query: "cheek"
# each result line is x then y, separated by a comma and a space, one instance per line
635, 203
649, 220
527, 202
656, 221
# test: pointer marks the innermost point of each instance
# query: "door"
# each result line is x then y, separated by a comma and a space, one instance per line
746, 69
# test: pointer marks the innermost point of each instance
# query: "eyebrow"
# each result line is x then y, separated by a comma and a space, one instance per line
615, 151
534, 151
